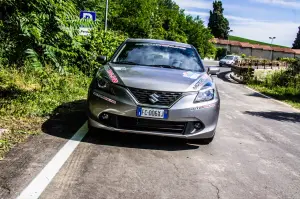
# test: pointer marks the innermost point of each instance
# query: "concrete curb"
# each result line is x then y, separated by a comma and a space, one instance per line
232, 76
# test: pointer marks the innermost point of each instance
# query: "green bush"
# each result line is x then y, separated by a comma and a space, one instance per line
282, 84
221, 52
91, 47
45, 32
37, 92
287, 59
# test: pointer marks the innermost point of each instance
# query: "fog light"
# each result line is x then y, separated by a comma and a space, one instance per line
197, 125
104, 116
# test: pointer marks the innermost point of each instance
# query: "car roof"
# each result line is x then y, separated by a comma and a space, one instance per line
233, 55
156, 41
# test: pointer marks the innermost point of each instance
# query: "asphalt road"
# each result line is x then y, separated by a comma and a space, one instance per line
256, 154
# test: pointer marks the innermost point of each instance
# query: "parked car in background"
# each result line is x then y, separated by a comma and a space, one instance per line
155, 87
229, 60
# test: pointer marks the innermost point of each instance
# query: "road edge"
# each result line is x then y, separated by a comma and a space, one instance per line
259, 93
273, 99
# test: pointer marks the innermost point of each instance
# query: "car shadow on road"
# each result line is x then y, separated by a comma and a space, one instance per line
69, 117
277, 115
256, 95
66, 119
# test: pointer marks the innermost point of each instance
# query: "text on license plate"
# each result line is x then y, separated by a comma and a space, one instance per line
151, 112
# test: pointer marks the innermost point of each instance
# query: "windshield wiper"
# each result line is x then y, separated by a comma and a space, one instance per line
167, 66
125, 62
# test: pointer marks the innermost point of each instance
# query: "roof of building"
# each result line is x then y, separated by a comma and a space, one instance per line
297, 51
255, 46
288, 50
245, 45
265, 47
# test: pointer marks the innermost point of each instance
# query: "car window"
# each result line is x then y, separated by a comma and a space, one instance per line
151, 54
229, 57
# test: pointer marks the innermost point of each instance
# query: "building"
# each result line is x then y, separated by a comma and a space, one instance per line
256, 50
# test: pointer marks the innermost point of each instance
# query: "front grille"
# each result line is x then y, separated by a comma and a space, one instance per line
139, 124
165, 98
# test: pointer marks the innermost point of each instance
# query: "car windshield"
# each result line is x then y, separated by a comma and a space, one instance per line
229, 57
160, 55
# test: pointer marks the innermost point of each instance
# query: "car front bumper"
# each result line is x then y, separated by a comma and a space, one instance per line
121, 112
221, 64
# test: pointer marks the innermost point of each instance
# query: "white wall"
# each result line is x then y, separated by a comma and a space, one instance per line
235, 49
282, 54
246, 51
259, 53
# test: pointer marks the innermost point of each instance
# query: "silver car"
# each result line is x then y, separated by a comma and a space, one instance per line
229, 60
155, 87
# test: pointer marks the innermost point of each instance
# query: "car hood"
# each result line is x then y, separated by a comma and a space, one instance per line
158, 79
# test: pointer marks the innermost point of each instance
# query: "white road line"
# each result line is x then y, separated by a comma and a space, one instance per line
41, 181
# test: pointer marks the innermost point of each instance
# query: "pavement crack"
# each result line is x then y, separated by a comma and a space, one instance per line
218, 190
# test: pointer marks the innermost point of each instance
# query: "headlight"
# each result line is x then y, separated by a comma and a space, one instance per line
205, 94
104, 84
228, 62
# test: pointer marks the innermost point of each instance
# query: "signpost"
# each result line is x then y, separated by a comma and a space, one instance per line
89, 15
106, 13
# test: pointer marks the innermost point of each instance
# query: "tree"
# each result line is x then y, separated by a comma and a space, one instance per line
45, 32
296, 44
218, 24
199, 36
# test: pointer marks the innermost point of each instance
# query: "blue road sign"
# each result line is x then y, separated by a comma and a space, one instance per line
88, 15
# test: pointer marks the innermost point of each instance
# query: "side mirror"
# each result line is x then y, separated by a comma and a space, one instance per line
212, 70
102, 59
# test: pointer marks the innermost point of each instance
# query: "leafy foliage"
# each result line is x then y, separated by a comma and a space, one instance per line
45, 32
38, 91
218, 24
282, 84
296, 44
221, 52
89, 48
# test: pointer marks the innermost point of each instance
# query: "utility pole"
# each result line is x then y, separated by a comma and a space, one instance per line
271, 56
106, 13
228, 40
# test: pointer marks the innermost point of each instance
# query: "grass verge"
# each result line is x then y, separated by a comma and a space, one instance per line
29, 96
284, 94
240, 39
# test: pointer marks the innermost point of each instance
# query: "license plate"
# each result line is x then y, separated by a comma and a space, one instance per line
151, 112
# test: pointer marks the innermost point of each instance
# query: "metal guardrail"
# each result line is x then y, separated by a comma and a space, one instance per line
242, 71
261, 64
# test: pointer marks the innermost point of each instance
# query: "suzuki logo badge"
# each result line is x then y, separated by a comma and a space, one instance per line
153, 98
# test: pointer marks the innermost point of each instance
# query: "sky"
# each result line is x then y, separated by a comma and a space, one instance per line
254, 19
